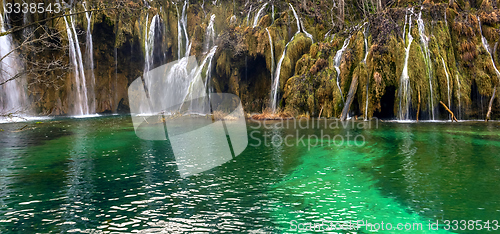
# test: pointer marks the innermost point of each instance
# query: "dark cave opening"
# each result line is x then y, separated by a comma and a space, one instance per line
387, 104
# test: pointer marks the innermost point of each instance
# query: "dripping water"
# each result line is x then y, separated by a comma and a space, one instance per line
487, 47
272, 52
81, 106
336, 63
276, 79
12, 93
182, 33
89, 61
404, 86
299, 23
248, 15
427, 57
210, 34
256, 19
447, 82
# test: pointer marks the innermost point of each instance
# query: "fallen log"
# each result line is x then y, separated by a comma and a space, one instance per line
451, 113
350, 98
418, 106
488, 115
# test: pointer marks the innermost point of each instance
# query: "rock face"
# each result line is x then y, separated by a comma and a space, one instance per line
312, 57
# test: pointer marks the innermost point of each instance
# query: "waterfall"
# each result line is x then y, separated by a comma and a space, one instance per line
256, 19
248, 15
427, 57
150, 41
404, 86
276, 81
210, 34
13, 98
81, 106
197, 88
149, 45
336, 63
487, 47
447, 82
182, 32
28, 31
299, 22
89, 60
365, 35
296, 18
272, 52
180, 86
272, 6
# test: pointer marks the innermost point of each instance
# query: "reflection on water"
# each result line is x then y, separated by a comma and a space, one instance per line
81, 175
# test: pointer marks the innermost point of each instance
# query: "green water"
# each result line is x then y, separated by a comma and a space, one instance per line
84, 175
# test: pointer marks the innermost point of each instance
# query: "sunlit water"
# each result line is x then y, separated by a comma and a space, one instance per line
80, 175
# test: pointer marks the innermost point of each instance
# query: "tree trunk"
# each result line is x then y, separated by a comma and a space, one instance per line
350, 97
451, 113
418, 106
488, 115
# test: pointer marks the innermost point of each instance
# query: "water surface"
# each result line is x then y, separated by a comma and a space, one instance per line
80, 175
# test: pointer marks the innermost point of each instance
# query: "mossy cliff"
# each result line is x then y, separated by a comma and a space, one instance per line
458, 67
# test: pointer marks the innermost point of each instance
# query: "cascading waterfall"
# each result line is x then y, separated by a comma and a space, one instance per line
404, 86
257, 17
197, 88
447, 82
427, 57
182, 33
299, 23
272, 7
149, 40
27, 31
248, 15
272, 53
81, 105
181, 82
89, 60
210, 34
336, 63
13, 99
487, 47
210, 43
276, 79
365, 35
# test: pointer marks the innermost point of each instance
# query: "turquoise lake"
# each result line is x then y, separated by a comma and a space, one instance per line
95, 175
